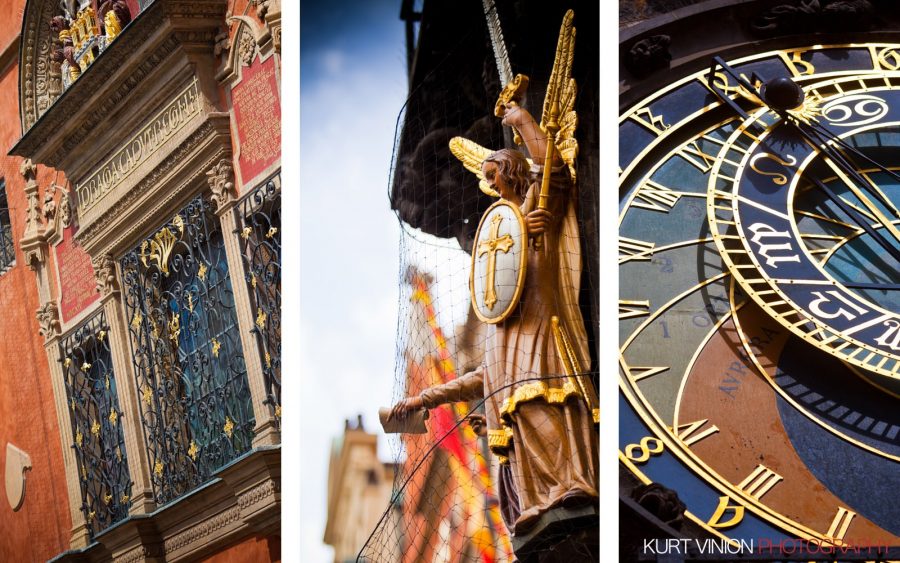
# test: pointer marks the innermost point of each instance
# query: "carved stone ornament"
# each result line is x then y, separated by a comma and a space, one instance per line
28, 170
16, 463
105, 274
648, 55
221, 183
222, 45
48, 319
48, 209
65, 209
662, 503
808, 16
247, 47
262, 8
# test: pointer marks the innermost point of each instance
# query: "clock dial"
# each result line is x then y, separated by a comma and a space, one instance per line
758, 370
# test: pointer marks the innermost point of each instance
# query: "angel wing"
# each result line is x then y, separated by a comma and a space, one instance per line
559, 102
472, 155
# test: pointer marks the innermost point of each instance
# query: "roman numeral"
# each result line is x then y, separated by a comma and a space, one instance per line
688, 434
841, 522
631, 309
694, 154
759, 482
632, 249
655, 197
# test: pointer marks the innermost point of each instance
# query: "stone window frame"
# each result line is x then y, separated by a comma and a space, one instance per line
244, 497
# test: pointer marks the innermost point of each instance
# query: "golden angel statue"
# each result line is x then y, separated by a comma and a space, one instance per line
540, 405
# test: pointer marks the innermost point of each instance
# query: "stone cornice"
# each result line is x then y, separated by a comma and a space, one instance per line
111, 80
177, 178
244, 501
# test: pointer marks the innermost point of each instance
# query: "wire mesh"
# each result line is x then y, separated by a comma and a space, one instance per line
510, 432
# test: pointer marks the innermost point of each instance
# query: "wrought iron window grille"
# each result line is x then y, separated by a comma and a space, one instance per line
260, 236
99, 441
7, 249
196, 410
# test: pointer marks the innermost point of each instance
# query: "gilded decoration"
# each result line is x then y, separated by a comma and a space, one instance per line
77, 37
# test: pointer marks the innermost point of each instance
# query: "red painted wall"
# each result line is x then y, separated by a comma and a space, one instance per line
42, 526
253, 550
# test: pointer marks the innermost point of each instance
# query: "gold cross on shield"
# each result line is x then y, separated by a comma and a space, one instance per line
490, 247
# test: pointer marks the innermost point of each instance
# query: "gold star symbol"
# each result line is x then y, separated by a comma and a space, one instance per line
95, 428
113, 417
192, 451
229, 426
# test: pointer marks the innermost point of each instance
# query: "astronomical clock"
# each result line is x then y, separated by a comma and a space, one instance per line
759, 306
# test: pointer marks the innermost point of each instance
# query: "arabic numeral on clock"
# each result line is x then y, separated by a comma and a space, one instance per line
891, 337
816, 306
773, 253
648, 446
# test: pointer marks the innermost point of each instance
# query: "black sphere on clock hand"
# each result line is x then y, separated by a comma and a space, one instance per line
782, 94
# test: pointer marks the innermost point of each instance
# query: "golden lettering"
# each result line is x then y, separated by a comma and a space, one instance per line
737, 515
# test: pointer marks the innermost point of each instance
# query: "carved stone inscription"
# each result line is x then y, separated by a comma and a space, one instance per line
78, 287
139, 148
257, 111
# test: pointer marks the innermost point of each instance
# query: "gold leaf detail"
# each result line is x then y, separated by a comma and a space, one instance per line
253, 280
113, 417
137, 319
85, 366
91, 515
146, 394
216, 345
67, 362
78, 438
278, 411
260, 318
101, 335
174, 327
95, 428
158, 469
245, 234
190, 302
124, 499
272, 232
268, 360
83, 472
107, 382
201, 272
192, 451
107, 498
229, 427
159, 248
118, 454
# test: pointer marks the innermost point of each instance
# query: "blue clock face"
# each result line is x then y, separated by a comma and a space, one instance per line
758, 312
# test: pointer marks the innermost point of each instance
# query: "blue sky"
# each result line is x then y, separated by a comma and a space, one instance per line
352, 87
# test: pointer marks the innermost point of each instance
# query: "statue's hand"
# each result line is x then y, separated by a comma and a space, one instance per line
514, 115
538, 221
478, 424
404, 407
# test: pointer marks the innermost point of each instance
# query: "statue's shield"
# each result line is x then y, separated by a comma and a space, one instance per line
498, 262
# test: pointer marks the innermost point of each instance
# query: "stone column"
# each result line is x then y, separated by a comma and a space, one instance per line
142, 497
48, 318
221, 182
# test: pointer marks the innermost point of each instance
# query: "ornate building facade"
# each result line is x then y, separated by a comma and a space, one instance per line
141, 245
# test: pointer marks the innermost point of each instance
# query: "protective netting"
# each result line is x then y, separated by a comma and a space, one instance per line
511, 435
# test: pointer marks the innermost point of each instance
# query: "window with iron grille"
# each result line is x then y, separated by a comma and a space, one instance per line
260, 236
7, 250
94, 410
195, 402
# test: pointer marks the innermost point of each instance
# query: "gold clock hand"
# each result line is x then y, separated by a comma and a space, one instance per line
873, 209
